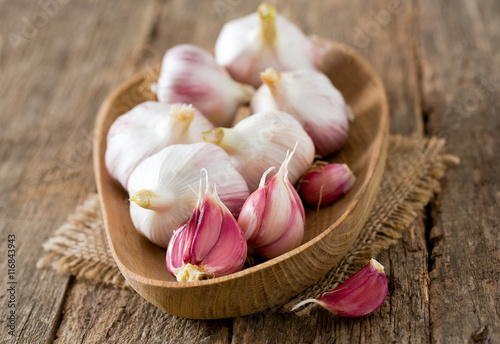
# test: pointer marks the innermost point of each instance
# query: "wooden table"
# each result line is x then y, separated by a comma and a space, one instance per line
440, 63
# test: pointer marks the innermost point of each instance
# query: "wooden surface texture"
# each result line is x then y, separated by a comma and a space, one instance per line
439, 61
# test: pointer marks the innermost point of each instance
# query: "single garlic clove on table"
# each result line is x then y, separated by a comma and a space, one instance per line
248, 45
189, 74
209, 244
145, 130
262, 140
310, 97
160, 188
359, 296
273, 217
325, 184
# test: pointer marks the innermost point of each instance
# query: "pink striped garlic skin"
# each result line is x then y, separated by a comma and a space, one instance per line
247, 46
325, 184
309, 97
190, 75
209, 244
361, 295
273, 216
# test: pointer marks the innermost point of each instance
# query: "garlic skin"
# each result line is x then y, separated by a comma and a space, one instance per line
325, 184
262, 140
189, 74
248, 45
359, 296
209, 244
160, 188
310, 97
145, 130
273, 217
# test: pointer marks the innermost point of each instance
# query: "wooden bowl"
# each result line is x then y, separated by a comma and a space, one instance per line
328, 236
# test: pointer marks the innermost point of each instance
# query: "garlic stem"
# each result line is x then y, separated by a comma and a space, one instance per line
226, 138
143, 198
270, 77
267, 14
149, 200
180, 118
182, 112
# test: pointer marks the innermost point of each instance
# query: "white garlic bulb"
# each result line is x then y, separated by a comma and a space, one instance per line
262, 140
310, 97
189, 74
248, 45
161, 187
145, 130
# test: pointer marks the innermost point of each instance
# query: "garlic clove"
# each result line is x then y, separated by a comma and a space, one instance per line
273, 217
161, 188
310, 97
262, 140
209, 244
145, 130
248, 45
325, 184
189, 74
359, 296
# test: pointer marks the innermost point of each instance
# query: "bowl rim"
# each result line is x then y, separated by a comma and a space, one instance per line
101, 119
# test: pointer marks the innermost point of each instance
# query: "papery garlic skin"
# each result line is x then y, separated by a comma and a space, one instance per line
359, 296
160, 188
248, 45
262, 140
325, 184
189, 74
273, 217
310, 97
209, 244
145, 130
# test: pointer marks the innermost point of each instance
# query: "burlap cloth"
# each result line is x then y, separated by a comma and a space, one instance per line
411, 178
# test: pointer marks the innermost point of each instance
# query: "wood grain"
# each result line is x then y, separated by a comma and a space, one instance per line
329, 233
404, 316
105, 314
461, 82
43, 123
46, 120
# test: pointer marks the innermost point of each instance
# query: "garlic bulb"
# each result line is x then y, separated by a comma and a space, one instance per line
325, 184
161, 187
145, 130
273, 217
209, 244
361, 295
262, 140
189, 74
248, 45
311, 98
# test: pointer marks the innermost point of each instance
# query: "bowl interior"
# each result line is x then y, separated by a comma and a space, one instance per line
143, 261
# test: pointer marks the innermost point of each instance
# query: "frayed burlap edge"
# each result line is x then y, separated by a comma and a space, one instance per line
410, 180
80, 247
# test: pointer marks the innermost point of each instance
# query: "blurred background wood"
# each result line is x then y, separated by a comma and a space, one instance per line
439, 62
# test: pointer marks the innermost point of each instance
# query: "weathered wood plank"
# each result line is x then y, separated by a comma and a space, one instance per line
460, 55
95, 313
64, 62
403, 318
389, 47
104, 314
